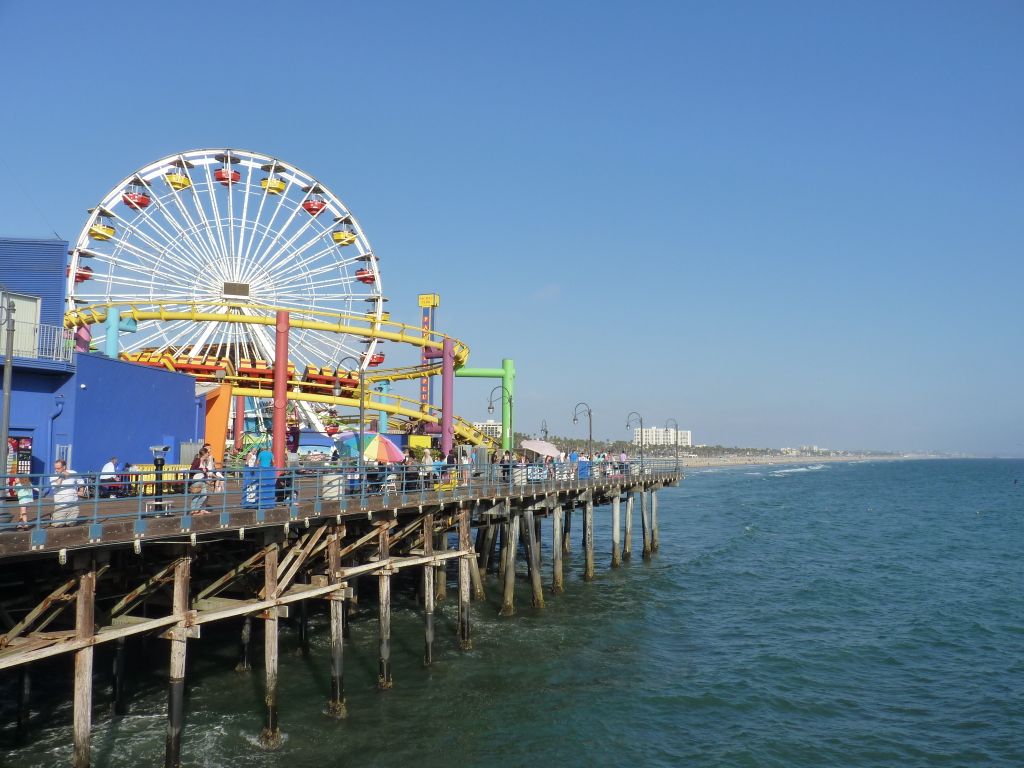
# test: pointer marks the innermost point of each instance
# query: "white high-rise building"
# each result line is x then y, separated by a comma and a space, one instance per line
490, 428
663, 436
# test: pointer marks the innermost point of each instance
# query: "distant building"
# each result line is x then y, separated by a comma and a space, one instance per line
491, 428
663, 436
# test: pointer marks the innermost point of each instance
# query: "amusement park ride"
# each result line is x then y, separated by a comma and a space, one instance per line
186, 264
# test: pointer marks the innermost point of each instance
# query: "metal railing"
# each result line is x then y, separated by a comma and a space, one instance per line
43, 342
88, 498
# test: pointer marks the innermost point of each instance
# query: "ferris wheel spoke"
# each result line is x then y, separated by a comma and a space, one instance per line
210, 222
142, 261
295, 263
203, 225
169, 243
245, 220
118, 267
204, 336
285, 252
121, 241
215, 207
189, 233
261, 255
250, 258
231, 216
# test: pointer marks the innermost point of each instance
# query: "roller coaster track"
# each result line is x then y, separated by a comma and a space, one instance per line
336, 322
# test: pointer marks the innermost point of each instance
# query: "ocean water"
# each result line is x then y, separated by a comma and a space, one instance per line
864, 614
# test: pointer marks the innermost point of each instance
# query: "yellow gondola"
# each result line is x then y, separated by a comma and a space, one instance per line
101, 231
273, 185
343, 237
178, 181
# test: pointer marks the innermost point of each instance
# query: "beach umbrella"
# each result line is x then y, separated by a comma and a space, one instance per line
542, 447
375, 447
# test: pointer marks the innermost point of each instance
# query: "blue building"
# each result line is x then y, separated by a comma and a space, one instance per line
82, 406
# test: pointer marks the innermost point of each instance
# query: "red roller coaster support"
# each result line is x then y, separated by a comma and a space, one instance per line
280, 390
239, 421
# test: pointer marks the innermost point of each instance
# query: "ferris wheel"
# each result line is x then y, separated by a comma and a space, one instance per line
233, 233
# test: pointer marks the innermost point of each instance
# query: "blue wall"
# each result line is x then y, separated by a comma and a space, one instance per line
37, 268
123, 408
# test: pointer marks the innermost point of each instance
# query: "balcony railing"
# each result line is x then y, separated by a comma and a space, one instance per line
42, 342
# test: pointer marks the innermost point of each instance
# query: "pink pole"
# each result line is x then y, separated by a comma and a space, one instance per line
278, 437
447, 395
82, 338
239, 421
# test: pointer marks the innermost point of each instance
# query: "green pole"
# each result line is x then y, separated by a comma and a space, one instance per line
507, 374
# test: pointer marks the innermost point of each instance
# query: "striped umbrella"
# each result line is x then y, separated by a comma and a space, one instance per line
376, 447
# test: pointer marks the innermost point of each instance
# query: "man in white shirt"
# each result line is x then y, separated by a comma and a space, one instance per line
65, 486
108, 478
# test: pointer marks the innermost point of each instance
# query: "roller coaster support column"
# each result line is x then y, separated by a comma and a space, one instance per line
278, 430
239, 426
113, 326
382, 416
507, 374
447, 395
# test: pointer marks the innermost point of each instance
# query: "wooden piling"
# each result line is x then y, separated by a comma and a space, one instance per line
539, 529
655, 544
24, 702
243, 658
616, 533
511, 536
428, 591
85, 627
566, 538
645, 524
588, 540
557, 582
384, 681
303, 649
532, 553
336, 706
441, 576
270, 736
118, 705
176, 681
487, 553
627, 534
465, 640
503, 529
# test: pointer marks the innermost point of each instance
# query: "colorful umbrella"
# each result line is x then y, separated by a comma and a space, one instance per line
375, 447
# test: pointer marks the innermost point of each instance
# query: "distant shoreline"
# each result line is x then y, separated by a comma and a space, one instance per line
739, 461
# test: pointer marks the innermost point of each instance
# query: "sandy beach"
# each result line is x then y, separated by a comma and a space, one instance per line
734, 461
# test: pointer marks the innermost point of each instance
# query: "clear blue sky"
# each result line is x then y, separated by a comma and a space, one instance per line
779, 223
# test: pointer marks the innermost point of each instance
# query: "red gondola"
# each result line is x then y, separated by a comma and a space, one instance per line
365, 276
81, 274
227, 176
135, 197
376, 359
314, 206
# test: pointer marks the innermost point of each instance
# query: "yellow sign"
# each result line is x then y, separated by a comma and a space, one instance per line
419, 441
430, 300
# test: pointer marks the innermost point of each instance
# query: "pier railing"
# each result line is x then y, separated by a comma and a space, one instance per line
91, 499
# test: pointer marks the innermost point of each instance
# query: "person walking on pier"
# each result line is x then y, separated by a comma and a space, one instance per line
67, 488
26, 496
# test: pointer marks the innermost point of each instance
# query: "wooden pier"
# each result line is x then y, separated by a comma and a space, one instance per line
172, 574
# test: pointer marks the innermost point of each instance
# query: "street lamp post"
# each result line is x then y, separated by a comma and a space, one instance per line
490, 409
362, 416
676, 425
590, 425
7, 313
629, 423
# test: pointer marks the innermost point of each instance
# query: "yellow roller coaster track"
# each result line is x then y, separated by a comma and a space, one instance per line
330, 322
